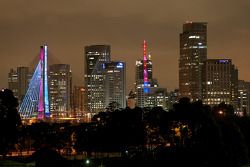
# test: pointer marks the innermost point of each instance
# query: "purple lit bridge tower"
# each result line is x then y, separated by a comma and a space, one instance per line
35, 104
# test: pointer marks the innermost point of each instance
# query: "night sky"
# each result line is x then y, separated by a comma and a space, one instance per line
69, 25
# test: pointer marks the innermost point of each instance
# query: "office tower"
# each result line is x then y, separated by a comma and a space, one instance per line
19, 81
79, 101
143, 77
220, 82
95, 57
193, 52
139, 71
115, 83
157, 97
148, 94
173, 97
60, 88
13, 82
23, 81
244, 97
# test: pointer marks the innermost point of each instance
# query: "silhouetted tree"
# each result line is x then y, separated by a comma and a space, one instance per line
45, 157
198, 138
9, 120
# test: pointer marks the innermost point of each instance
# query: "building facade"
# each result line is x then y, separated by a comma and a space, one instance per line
220, 82
95, 57
148, 94
115, 83
156, 97
18, 82
139, 81
60, 89
79, 101
193, 52
13, 82
244, 97
173, 97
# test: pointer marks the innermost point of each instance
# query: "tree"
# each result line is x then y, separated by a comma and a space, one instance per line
9, 120
112, 106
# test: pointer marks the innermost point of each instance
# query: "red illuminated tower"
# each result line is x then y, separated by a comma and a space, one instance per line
145, 69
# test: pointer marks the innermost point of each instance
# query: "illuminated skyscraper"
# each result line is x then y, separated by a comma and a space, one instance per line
143, 77
60, 88
193, 52
148, 94
95, 57
244, 97
19, 81
156, 97
13, 82
173, 97
220, 82
115, 83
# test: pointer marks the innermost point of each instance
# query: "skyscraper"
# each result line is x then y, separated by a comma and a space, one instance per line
13, 82
156, 97
148, 94
79, 101
220, 82
19, 81
244, 97
143, 77
173, 97
95, 57
23, 81
115, 83
193, 52
60, 88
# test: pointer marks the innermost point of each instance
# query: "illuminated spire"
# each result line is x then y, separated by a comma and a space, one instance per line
145, 70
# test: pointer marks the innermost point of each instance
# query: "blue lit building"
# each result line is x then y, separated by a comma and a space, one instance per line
115, 83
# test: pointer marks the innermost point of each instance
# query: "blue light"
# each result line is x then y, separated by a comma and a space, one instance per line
146, 90
46, 89
119, 65
28, 107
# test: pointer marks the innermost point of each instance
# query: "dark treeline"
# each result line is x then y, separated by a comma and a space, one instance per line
191, 134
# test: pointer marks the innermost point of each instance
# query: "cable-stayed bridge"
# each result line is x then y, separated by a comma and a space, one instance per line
36, 100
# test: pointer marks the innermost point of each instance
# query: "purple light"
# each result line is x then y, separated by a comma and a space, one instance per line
223, 61
40, 103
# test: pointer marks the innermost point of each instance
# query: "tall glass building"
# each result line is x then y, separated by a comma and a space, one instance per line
115, 83
95, 57
60, 88
139, 81
193, 52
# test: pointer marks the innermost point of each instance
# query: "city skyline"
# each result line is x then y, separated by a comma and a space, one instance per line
67, 27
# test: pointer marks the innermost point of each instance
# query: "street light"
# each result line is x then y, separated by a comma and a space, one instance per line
87, 161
